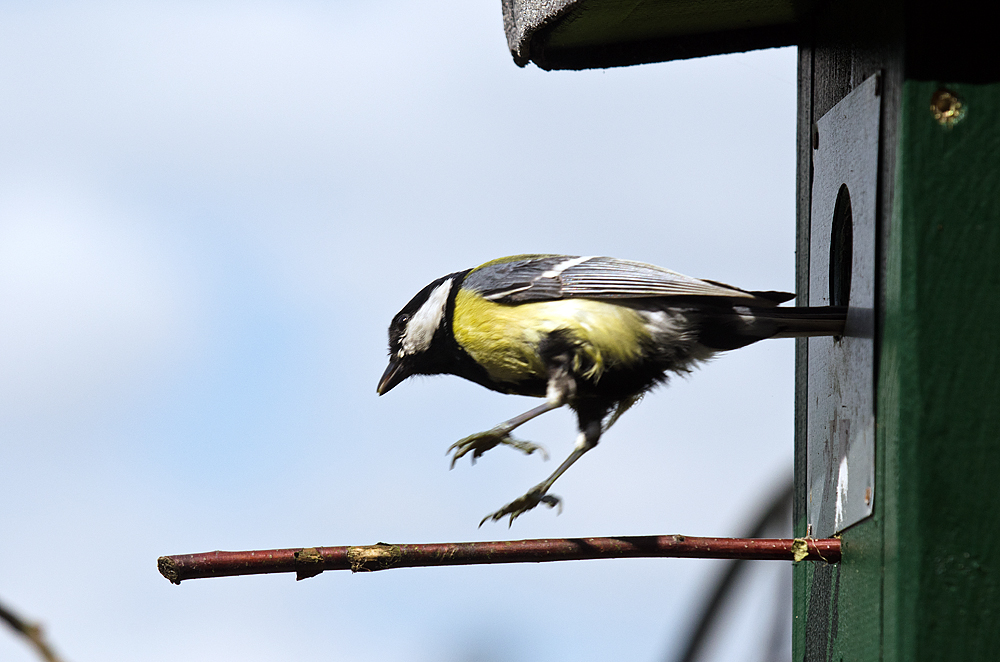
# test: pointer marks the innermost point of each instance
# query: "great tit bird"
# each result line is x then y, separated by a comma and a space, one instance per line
593, 333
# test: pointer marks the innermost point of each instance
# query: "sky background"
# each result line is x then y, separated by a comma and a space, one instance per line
209, 213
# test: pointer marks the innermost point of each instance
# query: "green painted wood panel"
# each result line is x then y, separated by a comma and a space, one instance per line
939, 389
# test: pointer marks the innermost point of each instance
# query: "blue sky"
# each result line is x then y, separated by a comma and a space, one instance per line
210, 211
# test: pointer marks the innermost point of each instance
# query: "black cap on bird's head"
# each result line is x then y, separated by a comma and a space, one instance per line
413, 330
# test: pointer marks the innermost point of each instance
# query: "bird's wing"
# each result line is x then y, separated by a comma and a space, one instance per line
524, 278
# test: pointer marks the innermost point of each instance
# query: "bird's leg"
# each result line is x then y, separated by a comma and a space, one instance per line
479, 443
560, 389
589, 436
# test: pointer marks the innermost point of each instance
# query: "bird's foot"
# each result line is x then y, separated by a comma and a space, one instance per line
479, 443
523, 504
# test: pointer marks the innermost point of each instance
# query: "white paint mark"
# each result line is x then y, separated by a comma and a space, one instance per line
838, 517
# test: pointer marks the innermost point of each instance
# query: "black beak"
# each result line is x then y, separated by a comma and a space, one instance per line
394, 373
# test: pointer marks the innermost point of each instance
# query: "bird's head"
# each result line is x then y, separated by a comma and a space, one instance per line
417, 333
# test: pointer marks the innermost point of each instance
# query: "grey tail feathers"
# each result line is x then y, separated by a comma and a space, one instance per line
739, 326
805, 321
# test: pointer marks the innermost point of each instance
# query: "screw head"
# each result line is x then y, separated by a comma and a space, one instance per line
946, 108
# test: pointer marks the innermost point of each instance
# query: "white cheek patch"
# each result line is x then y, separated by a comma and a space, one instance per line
421, 327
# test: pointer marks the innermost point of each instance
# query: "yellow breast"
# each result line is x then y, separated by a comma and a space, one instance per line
504, 339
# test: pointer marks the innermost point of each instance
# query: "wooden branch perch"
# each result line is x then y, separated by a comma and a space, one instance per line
310, 561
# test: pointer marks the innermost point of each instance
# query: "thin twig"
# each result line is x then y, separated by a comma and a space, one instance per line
310, 561
31, 631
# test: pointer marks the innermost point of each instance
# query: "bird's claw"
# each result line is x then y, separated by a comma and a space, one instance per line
479, 443
523, 504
